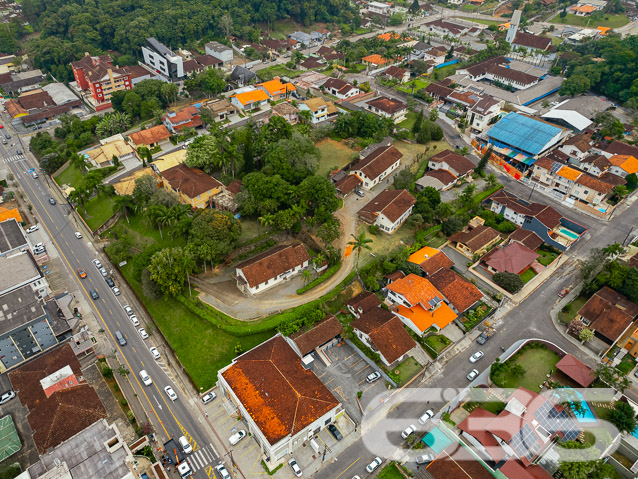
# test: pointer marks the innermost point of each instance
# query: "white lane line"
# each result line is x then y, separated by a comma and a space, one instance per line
213, 448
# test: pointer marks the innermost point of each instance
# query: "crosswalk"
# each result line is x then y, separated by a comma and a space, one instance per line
13, 158
202, 457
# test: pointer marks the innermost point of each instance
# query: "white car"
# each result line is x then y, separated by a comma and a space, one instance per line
97, 263
78, 235
143, 333
408, 430
208, 397
426, 417
134, 321
473, 374
296, 470
146, 379
476, 356
33, 228
223, 473
128, 310
370, 378
6, 397
235, 438
424, 459
154, 352
172, 395
376, 462
116, 290
103, 272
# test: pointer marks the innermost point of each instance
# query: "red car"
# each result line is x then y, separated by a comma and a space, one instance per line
81, 273
1, 127
563, 292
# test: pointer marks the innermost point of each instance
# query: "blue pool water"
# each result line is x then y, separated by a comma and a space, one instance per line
635, 433
437, 440
586, 415
568, 233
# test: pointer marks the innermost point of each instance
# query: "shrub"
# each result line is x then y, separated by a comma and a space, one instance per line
327, 274
510, 282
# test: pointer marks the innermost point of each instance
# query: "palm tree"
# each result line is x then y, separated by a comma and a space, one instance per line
491, 180
186, 263
123, 203
304, 117
158, 215
318, 260
359, 243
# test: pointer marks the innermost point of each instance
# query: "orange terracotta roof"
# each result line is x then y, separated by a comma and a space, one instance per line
415, 289
603, 30
583, 9
251, 96
275, 87
424, 253
386, 37
150, 135
630, 165
7, 214
618, 160
424, 319
376, 59
280, 395
569, 173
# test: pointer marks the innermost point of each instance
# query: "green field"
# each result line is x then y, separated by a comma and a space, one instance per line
527, 275
538, 363
606, 20
96, 211
483, 22
278, 71
414, 85
69, 176
333, 155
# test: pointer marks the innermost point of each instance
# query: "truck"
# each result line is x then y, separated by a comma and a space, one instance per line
174, 456
482, 339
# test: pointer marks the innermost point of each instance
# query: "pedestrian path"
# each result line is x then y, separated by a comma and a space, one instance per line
13, 158
202, 457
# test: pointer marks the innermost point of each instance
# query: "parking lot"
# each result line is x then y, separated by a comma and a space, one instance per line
346, 376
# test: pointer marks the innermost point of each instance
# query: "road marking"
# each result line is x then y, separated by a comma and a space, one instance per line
158, 403
213, 448
250, 449
110, 312
344, 471
209, 457
208, 471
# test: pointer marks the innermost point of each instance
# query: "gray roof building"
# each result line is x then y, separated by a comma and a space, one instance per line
12, 237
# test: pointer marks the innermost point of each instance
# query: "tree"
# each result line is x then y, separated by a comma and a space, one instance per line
467, 195
491, 180
403, 180
226, 24
276, 129
123, 203
433, 115
145, 186
214, 235
596, 469
169, 92
484, 159
329, 231
416, 126
451, 226
204, 153
415, 7
510, 282
169, 268
359, 243
575, 85
586, 335
563, 13
318, 194
292, 159
150, 288
632, 181
443, 211
623, 417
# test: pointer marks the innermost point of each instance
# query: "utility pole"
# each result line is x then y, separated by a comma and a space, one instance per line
232, 460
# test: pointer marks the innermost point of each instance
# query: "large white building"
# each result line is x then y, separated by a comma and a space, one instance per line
282, 404
167, 64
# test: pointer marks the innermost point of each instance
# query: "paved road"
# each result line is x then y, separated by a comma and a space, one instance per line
178, 418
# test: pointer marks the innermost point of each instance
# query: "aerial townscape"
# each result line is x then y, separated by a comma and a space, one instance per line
331, 239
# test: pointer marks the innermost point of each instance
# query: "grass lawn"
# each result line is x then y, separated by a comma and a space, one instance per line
538, 363
411, 150
391, 471
407, 370
98, 210
436, 342
566, 317
612, 21
69, 176
202, 348
546, 257
483, 22
495, 406
382, 243
436, 240
408, 123
445, 72
250, 228
280, 71
356, 68
627, 364
143, 233
527, 275
414, 85
333, 155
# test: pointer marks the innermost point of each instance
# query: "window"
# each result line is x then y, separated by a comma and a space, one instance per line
327, 422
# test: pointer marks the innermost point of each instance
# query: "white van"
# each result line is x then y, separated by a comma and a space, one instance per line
35, 175
185, 445
235, 438
188, 142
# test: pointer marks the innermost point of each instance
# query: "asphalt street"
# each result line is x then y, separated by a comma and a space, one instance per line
169, 418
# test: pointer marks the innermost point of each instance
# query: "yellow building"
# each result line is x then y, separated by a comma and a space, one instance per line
192, 185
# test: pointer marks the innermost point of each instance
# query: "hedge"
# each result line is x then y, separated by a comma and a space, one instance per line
237, 327
329, 272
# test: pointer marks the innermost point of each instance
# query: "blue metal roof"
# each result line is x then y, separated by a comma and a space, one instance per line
523, 133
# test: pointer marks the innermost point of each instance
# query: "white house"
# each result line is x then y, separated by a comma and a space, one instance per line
377, 165
388, 108
388, 210
380, 8
249, 98
483, 112
320, 109
339, 88
283, 404
162, 60
218, 50
271, 268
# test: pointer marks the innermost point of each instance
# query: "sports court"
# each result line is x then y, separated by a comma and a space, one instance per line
9, 440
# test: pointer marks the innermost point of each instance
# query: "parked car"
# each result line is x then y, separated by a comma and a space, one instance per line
424, 459
143, 333
563, 292
97, 263
31, 229
103, 272
78, 235
109, 281
473, 375
94, 294
6, 397
172, 395
128, 310
296, 470
359, 193
235, 438
426, 416
476, 356
81, 273
52, 201
38, 251
208, 398
370, 378
134, 320
335, 432
376, 462
154, 352
116, 290
408, 430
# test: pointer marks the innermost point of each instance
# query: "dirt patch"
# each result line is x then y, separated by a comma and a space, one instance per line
505, 9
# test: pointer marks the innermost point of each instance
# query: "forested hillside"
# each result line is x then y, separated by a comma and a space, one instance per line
608, 66
71, 27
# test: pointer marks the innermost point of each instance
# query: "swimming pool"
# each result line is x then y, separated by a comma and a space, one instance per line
568, 233
586, 415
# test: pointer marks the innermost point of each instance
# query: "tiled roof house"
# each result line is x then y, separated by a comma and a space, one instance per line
377, 165
388, 210
609, 314
193, 187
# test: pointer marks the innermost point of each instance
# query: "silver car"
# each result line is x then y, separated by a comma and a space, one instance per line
476, 356
473, 375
